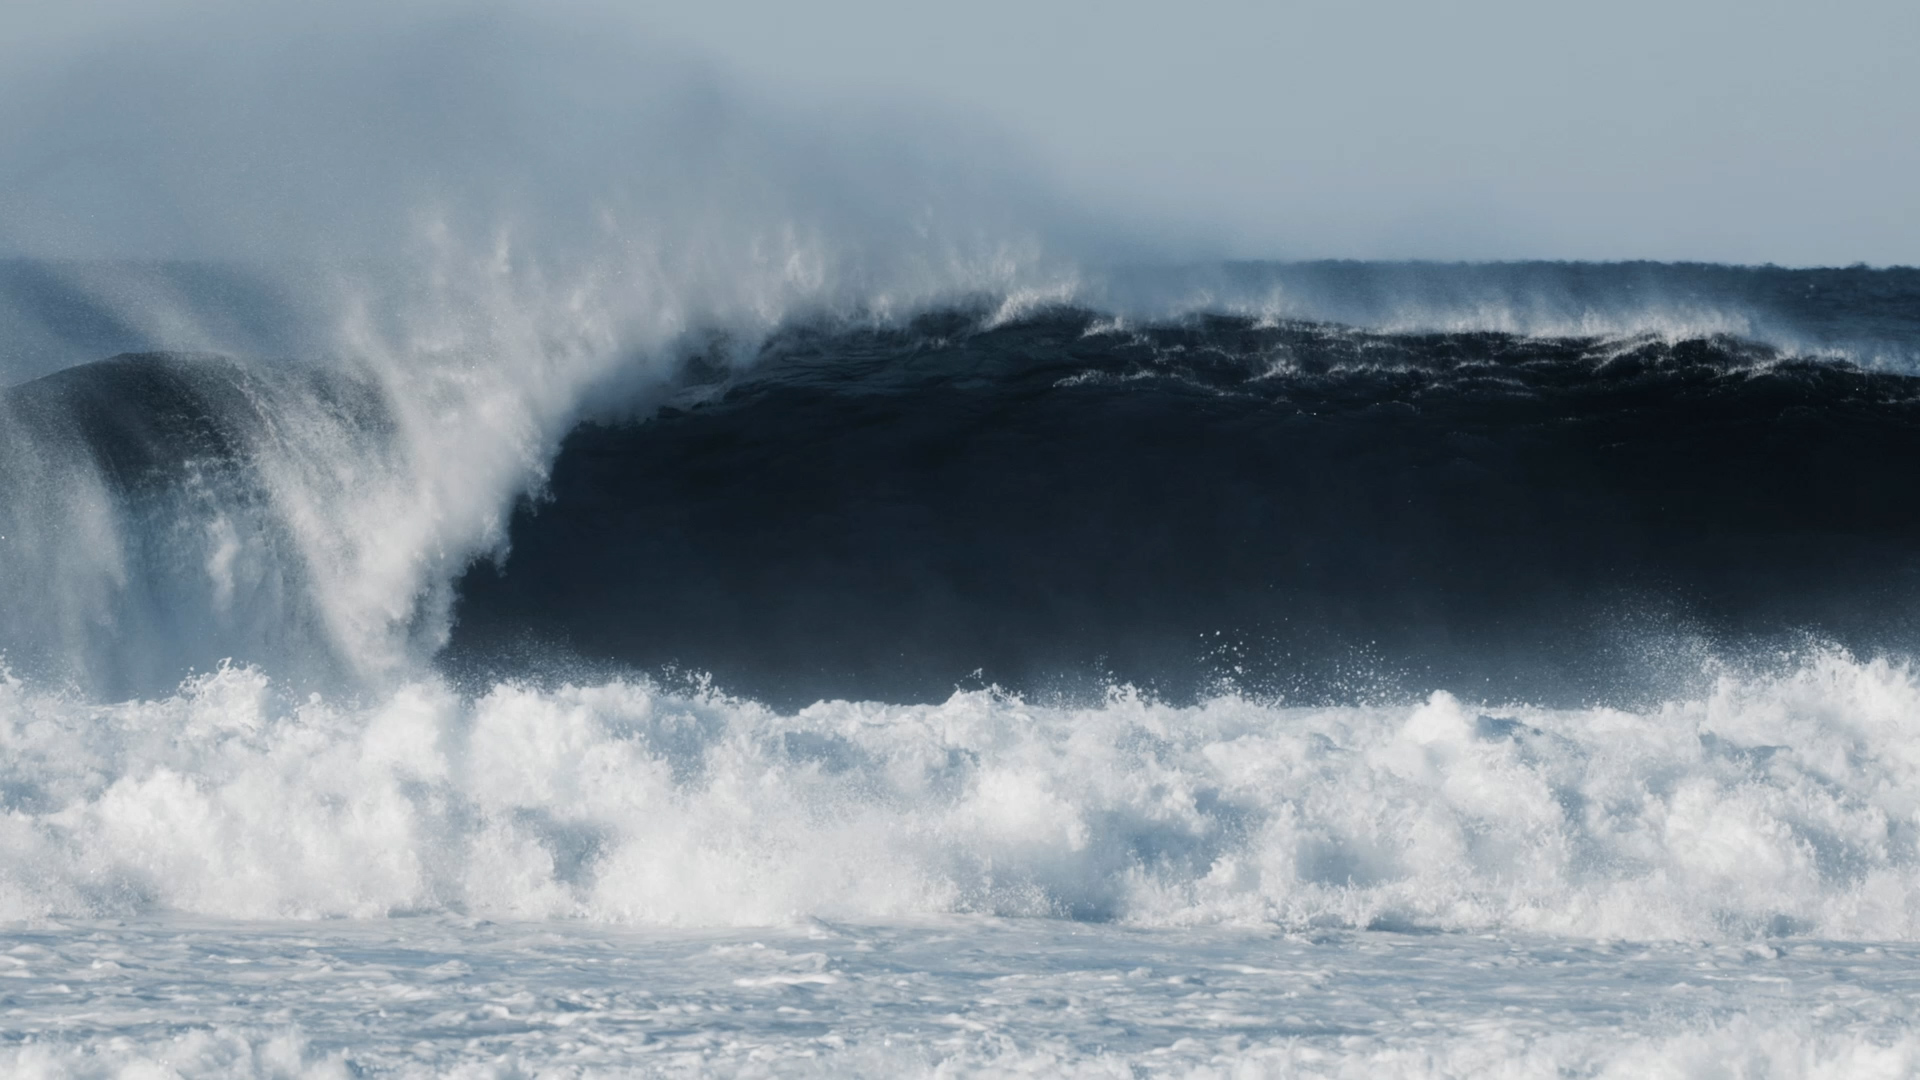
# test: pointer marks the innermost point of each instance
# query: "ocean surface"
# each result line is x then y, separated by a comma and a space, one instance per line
1225, 670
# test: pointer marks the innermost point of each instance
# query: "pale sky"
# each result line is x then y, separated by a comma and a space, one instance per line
1684, 130
1739, 130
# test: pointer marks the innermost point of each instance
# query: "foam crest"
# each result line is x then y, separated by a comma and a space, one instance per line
1784, 804
1799, 312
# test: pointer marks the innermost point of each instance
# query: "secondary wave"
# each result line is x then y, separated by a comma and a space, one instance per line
1775, 803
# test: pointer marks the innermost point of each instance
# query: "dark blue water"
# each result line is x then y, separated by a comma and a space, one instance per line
1610, 473
1299, 508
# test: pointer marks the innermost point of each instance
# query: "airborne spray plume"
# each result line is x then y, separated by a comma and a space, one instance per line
425, 242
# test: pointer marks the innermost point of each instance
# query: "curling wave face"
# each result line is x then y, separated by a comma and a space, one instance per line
1064, 500
1059, 500
1784, 803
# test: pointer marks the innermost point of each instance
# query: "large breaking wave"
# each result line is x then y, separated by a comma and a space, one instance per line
887, 508
382, 572
1268, 600
947, 489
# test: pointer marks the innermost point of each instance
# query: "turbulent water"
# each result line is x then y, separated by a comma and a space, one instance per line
1253, 670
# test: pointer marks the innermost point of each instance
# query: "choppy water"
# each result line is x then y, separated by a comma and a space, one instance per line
947, 997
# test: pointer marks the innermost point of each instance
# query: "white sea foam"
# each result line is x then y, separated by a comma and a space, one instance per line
1742, 1047
1785, 804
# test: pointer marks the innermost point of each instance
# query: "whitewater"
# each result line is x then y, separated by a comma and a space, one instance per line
519, 561
619, 878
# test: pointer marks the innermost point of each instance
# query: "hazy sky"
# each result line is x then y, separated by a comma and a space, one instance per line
1688, 129
1747, 130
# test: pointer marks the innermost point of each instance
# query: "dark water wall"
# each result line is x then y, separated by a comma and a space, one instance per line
1054, 502
1300, 507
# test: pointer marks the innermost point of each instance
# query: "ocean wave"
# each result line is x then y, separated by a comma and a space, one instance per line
1032, 499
